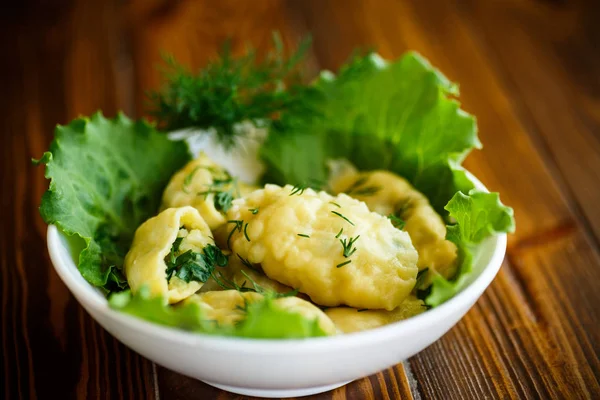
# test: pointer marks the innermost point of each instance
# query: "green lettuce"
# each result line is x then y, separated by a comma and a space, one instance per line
399, 116
263, 320
478, 215
106, 178
402, 117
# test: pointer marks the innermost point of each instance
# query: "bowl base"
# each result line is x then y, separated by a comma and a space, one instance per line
277, 393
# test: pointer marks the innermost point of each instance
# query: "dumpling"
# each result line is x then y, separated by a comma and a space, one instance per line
236, 273
227, 307
205, 186
331, 248
165, 248
387, 193
349, 320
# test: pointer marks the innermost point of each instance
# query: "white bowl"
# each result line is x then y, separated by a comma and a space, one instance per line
279, 368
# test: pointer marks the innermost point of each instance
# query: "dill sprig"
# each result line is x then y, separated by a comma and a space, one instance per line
246, 263
238, 225
339, 233
299, 189
232, 89
304, 235
225, 190
357, 188
246, 232
253, 210
342, 216
347, 246
344, 263
397, 222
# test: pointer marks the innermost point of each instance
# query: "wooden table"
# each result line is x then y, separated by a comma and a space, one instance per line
529, 70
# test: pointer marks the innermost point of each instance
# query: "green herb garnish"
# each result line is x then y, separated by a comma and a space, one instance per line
246, 232
247, 263
303, 235
238, 225
298, 189
344, 263
253, 210
356, 189
339, 233
335, 204
347, 246
192, 266
233, 89
397, 222
341, 216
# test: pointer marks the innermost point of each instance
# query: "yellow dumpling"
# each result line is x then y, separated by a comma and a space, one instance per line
331, 248
349, 320
227, 307
145, 263
205, 186
387, 193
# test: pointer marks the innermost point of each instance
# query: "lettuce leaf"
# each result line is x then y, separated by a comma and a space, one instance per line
264, 320
403, 117
106, 178
478, 215
397, 116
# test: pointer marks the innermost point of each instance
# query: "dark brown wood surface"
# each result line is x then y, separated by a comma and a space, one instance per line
529, 70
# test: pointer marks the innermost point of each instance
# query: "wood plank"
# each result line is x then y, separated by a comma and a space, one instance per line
60, 66
558, 62
507, 345
389, 384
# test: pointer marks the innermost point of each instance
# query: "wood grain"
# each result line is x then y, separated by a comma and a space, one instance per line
528, 71
61, 66
472, 352
558, 62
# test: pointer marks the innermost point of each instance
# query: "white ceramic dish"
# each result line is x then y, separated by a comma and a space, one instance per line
279, 368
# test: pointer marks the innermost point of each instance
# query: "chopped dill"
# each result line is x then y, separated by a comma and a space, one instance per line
246, 232
366, 191
225, 190
253, 210
304, 235
397, 222
298, 189
238, 226
341, 216
193, 266
357, 189
344, 263
339, 233
246, 263
347, 246
335, 204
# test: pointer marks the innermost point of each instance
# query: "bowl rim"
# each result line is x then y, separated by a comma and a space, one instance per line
91, 299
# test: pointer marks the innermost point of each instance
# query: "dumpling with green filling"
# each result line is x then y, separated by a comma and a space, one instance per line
391, 195
331, 248
205, 186
227, 307
349, 320
173, 254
